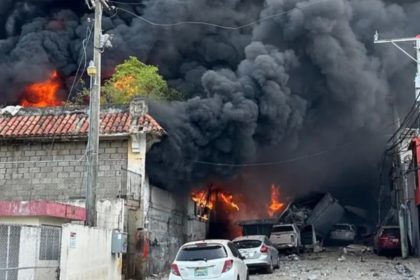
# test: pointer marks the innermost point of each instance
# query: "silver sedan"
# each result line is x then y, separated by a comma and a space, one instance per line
258, 252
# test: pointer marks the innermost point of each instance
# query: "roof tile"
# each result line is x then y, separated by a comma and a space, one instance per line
47, 122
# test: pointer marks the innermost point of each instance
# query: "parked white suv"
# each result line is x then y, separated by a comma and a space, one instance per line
209, 259
286, 237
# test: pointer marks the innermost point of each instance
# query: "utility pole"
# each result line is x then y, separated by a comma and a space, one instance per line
94, 71
404, 209
416, 59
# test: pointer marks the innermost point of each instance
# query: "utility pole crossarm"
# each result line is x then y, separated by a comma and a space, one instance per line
401, 40
412, 39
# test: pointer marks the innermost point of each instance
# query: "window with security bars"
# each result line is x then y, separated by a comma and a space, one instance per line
9, 251
50, 243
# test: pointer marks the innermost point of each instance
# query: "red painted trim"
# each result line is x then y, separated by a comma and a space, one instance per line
41, 208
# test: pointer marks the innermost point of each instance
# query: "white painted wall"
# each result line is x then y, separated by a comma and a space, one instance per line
110, 212
29, 243
88, 255
30, 267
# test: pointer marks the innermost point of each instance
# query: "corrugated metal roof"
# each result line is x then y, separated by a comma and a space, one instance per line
73, 122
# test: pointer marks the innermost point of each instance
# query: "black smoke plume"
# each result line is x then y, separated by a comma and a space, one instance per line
306, 85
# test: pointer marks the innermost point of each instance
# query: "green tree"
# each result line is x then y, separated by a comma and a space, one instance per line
134, 78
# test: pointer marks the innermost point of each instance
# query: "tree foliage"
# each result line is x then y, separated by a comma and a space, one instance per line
134, 78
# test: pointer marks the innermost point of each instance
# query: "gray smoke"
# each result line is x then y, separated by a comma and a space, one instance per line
304, 82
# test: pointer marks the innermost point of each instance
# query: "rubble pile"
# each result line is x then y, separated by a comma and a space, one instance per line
352, 262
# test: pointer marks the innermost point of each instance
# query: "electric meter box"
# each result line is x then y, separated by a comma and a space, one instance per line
119, 242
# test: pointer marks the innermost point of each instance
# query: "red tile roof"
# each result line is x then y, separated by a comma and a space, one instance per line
73, 122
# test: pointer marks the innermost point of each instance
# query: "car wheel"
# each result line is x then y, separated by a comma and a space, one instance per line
270, 268
278, 262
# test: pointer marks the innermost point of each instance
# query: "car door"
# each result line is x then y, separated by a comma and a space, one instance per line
242, 268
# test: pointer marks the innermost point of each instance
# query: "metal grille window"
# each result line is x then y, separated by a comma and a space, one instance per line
50, 243
9, 251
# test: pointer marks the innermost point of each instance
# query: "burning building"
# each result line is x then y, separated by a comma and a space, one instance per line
299, 97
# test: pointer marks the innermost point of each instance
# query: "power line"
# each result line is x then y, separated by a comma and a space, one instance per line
126, 3
413, 109
214, 24
290, 160
82, 58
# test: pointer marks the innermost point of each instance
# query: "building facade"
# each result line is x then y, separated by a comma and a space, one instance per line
43, 157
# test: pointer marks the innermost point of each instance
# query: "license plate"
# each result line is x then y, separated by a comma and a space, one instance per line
201, 271
395, 240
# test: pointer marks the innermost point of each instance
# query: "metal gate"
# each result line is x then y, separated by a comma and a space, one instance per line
41, 246
9, 251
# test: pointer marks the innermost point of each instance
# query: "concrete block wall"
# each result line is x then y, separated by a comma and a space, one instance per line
37, 170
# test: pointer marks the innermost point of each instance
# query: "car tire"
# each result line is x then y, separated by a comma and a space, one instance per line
270, 268
277, 263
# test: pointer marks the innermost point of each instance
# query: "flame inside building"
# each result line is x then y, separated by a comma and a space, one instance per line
223, 210
43, 94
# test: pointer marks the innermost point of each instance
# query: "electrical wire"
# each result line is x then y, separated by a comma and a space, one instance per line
214, 24
413, 109
290, 160
82, 58
125, 3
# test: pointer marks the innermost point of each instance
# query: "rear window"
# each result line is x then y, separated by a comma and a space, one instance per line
391, 231
195, 253
282, 229
244, 244
341, 227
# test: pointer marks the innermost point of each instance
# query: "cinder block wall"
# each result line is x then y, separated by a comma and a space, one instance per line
57, 170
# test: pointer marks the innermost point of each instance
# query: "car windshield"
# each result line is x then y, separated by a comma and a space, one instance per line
245, 244
391, 231
282, 229
342, 227
195, 253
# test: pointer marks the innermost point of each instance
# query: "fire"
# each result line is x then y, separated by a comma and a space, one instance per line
207, 199
276, 206
228, 200
43, 94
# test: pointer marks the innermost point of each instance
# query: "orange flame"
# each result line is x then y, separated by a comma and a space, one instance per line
204, 199
276, 206
43, 94
228, 200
